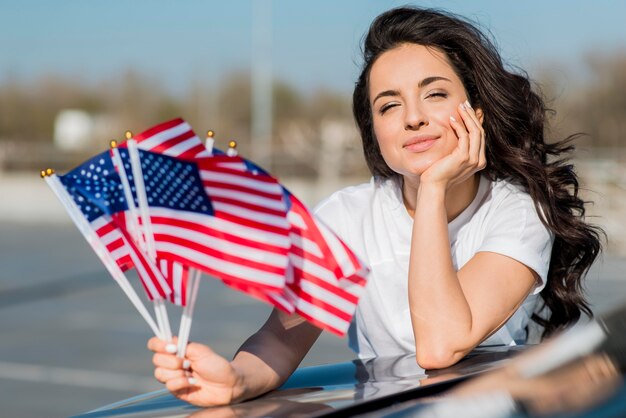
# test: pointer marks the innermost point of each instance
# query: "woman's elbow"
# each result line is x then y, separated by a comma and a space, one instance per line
437, 358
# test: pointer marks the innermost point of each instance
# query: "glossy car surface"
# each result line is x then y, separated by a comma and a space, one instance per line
340, 389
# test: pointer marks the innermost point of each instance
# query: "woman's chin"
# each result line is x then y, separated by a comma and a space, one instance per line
416, 171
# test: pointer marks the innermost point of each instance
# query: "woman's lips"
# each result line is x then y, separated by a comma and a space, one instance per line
420, 144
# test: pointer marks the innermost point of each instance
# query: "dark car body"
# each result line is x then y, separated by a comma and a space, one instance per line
392, 387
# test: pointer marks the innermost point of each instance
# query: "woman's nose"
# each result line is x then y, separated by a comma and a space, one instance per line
414, 118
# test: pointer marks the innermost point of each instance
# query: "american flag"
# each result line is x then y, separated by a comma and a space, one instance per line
175, 138
97, 191
325, 279
228, 223
328, 278
177, 277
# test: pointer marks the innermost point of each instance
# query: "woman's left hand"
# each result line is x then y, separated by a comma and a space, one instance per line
467, 158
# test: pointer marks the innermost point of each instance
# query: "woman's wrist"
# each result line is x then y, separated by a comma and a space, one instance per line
432, 190
241, 390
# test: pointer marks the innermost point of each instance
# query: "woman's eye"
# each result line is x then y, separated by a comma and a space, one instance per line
437, 94
386, 107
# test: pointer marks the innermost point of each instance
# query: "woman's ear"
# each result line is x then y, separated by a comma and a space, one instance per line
480, 115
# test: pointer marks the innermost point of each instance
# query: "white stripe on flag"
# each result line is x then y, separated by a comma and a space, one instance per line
233, 165
100, 222
232, 228
353, 288
306, 244
163, 136
338, 250
296, 220
120, 252
182, 147
233, 269
111, 237
270, 203
254, 215
146, 277
250, 183
251, 253
314, 269
284, 301
322, 315
326, 296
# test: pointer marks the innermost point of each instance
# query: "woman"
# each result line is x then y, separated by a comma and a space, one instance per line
469, 215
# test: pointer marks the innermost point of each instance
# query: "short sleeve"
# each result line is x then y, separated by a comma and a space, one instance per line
516, 231
331, 212
343, 210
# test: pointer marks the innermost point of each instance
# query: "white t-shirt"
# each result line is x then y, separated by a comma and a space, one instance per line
372, 220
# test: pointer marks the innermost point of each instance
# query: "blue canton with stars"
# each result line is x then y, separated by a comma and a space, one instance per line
95, 187
170, 183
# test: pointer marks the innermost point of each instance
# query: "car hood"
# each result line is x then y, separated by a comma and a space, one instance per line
334, 389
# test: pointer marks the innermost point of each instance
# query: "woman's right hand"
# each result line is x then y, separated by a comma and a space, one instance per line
202, 378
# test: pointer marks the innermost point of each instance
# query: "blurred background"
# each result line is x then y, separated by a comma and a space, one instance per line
277, 77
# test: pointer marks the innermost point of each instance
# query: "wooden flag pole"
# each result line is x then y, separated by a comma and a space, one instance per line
92, 238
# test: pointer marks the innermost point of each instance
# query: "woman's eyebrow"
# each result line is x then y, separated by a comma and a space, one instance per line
421, 84
386, 93
429, 80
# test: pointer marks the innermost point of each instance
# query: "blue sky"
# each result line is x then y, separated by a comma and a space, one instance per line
314, 43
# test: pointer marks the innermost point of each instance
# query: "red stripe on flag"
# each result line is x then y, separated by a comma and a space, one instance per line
159, 128
247, 205
217, 233
217, 273
332, 288
219, 254
329, 308
250, 223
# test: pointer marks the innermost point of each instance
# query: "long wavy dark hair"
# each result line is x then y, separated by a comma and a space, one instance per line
514, 118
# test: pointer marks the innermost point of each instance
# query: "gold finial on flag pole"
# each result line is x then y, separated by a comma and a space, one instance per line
113, 143
42, 173
128, 134
49, 171
232, 148
209, 141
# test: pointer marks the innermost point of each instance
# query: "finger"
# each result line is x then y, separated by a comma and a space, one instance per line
180, 383
472, 113
164, 375
475, 131
462, 135
158, 345
168, 361
195, 351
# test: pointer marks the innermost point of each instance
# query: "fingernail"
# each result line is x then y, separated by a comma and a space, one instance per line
467, 103
192, 381
186, 364
171, 348
462, 106
452, 118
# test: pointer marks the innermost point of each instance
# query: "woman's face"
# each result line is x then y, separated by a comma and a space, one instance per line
413, 91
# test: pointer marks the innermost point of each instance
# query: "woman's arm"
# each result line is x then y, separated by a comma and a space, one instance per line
452, 312
263, 363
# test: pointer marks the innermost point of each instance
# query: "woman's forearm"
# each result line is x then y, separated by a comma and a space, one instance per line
440, 313
267, 359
